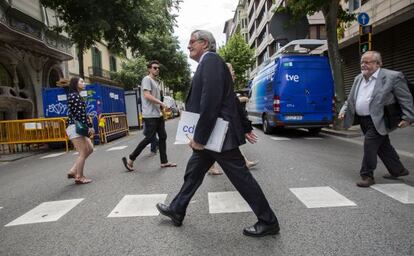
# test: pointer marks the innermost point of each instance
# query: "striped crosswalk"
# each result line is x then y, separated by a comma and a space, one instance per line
218, 202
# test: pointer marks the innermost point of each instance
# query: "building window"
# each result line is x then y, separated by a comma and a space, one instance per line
269, 4
53, 78
112, 63
96, 62
353, 5
5, 78
317, 32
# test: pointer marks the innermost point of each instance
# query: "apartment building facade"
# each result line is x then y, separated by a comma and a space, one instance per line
98, 63
32, 56
252, 20
392, 24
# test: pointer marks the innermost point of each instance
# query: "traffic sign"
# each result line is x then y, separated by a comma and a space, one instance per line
363, 18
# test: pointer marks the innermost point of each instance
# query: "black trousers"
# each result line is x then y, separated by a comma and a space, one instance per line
153, 126
234, 166
154, 143
377, 144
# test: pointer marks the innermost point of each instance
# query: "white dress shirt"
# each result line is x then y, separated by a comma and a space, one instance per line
364, 95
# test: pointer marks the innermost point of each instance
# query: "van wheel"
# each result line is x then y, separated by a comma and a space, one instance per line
314, 131
267, 129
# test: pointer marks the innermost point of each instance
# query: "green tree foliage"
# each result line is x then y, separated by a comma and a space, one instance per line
333, 15
119, 22
175, 71
238, 53
132, 72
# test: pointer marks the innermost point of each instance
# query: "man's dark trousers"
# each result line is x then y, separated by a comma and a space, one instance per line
153, 126
377, 144
234, 166
154, 143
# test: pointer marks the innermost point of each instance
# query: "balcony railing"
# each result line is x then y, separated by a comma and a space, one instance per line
99, 72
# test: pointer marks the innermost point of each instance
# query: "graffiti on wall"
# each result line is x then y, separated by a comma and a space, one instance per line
58, 109
61, 109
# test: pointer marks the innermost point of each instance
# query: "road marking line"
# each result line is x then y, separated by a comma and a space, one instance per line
116, 148
313, 138
279, 138
46, 212
318, 197
53, 155
400, 192
138, 205
227, 202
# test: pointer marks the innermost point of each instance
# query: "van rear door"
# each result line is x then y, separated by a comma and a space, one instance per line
305, 88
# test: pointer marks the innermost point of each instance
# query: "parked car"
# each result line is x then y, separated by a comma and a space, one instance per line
293, 91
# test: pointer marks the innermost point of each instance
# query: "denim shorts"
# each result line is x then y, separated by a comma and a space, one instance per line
71, 132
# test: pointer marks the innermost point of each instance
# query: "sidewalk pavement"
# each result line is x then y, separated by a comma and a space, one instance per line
401, 139
354, 131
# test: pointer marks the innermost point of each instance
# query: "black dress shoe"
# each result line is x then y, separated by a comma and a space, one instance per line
166, 211
261, 229
395, 177
365, 182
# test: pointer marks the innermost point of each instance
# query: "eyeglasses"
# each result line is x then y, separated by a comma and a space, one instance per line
192, 41
156, 68
368, 62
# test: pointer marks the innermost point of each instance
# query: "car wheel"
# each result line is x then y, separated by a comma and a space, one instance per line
314, 131
267, 129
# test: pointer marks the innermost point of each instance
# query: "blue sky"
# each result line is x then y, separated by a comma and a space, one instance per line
203, 14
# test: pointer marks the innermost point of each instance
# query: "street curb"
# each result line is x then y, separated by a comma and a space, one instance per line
342, 133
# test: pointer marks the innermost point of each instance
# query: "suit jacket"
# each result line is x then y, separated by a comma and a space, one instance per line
212, 96
390, 87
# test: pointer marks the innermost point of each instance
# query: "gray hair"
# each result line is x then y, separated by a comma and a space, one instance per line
208, 37
376, 55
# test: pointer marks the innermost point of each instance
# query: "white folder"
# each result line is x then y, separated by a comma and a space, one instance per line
186, 127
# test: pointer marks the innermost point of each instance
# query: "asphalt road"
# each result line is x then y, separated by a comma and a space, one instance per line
376, 225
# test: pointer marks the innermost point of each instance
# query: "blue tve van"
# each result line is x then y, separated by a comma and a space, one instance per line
293, 91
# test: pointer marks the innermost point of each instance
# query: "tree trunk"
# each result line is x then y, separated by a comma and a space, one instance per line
80, 60
330, 13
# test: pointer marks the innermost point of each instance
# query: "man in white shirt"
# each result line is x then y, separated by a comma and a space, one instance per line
152, 117
373, 89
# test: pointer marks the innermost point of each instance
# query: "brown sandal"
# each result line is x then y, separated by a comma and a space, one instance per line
168, 165
127, 166
82, 180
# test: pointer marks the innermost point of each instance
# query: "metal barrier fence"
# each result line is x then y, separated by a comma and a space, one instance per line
112, 125
32, 131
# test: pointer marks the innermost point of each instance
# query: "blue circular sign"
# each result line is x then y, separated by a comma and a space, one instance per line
363, 18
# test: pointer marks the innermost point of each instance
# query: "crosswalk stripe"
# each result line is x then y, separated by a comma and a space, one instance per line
279, 138
400, 192
227, 202
116, 148
46, 212
218, 202
318, 197
52, 155
138, 205
313, 138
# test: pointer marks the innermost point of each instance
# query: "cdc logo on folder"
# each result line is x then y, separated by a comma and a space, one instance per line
186, 127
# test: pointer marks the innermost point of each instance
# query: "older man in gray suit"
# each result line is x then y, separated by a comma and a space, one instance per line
373, 89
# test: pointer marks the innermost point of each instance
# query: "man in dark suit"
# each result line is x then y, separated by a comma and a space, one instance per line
212, 96
373, 89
